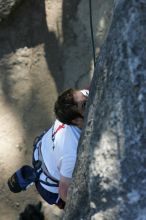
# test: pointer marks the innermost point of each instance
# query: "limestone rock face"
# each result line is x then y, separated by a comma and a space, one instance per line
110, 176
6, 7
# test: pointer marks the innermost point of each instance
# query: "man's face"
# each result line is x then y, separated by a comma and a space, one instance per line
80, 97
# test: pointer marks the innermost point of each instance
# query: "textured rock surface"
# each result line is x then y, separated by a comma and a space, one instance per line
110, 176
6, 7
45, 47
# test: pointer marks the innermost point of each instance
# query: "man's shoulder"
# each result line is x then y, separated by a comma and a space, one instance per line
72, 133
67, 129
73, 128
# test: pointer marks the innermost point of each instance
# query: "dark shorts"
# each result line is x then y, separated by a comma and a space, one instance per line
49, 197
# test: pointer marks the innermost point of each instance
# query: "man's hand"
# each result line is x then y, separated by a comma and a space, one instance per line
63, 187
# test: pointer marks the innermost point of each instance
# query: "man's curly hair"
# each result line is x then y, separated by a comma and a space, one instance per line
66, 108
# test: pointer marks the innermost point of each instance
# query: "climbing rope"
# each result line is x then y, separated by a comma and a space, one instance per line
92, 35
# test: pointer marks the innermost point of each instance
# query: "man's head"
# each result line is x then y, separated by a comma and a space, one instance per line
70, 106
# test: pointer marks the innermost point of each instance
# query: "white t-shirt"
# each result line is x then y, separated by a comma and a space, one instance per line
59, 157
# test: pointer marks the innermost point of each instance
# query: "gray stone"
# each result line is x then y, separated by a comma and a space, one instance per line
45, 47
110, 177
6, 7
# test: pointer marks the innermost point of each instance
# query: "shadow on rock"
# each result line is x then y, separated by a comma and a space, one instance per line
32, 212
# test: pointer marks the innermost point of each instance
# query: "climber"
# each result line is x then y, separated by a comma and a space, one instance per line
59, 146
55, 151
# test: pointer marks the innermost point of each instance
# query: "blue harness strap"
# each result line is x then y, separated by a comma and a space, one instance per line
39, 165
43, 169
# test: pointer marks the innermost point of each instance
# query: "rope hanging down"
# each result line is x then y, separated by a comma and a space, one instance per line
91, 28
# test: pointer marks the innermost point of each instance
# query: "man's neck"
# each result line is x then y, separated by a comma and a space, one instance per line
78, 122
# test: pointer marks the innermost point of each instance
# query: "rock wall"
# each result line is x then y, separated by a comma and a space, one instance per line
6, 7
110, 175
45, 47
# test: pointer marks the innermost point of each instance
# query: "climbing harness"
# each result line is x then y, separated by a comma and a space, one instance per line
27, 175
54, 132
39, 165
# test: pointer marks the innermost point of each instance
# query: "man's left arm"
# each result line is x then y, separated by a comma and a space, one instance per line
63, 187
